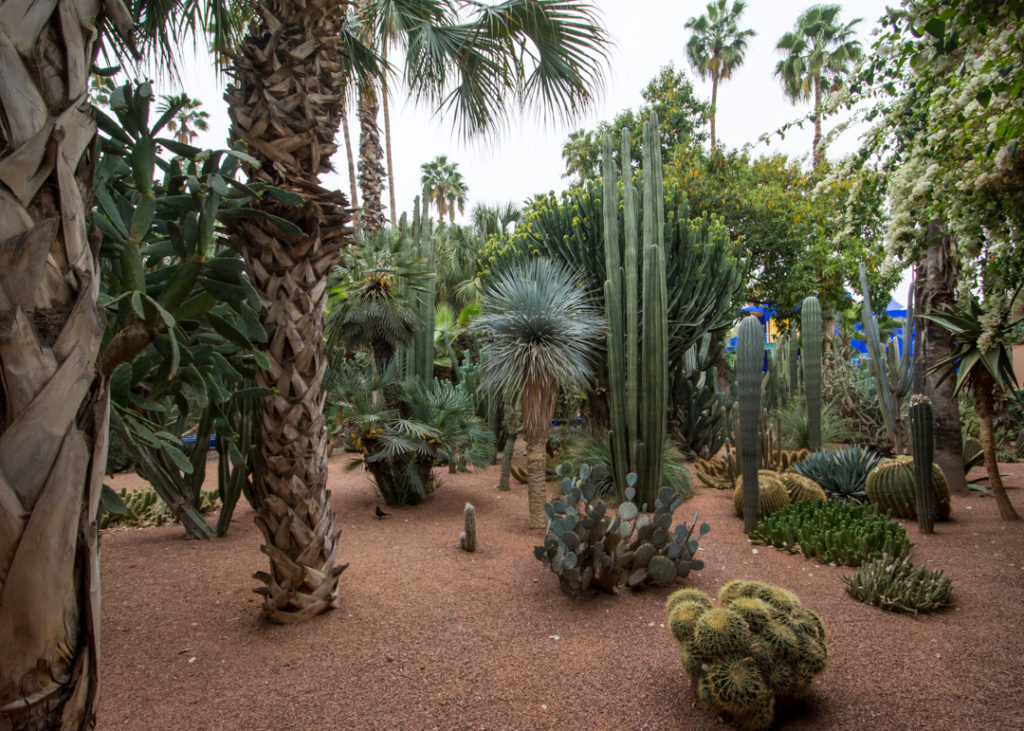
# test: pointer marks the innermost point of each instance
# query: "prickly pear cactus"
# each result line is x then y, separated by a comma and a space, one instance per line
758, 647
590, 545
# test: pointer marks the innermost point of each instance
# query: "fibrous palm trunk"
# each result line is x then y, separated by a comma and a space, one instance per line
936, 295
371, 172
53, 400
538, 403
385, 108
714, 107
285, 104
984, 388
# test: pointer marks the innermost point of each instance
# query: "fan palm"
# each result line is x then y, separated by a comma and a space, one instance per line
817, 56
540, 335
980, 369
717, 47
477, 60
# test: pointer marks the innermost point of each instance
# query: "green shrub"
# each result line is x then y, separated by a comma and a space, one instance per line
833, 532
894, 584
588, 544
758, 647
595, 452
793, 426
841, 472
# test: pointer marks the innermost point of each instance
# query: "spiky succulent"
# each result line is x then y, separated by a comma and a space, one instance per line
842, 472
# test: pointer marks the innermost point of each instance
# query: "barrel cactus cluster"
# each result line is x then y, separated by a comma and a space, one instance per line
758, 649
721, 471
891, 486
590, 545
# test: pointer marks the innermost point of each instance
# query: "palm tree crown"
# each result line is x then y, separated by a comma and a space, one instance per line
717, 46
817, 56
444, 186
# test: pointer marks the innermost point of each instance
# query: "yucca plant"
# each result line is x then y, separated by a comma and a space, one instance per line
539, 335
842, 472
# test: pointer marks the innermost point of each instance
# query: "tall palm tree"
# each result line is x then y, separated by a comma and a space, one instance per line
717, 47
540, 334
479, 60
444, 186
189, 118
53, 400
817, 57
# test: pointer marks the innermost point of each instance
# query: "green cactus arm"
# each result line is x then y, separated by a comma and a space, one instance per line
811, 334
749, 360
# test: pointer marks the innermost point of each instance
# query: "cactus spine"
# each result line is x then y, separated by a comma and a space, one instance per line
810, 335
468, 538
637, 434
922, 445
749, 365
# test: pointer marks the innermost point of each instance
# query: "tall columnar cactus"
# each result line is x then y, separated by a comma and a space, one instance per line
637, 335
810, 336
749, 366
922, 445
890, 387
467, 541
420, 353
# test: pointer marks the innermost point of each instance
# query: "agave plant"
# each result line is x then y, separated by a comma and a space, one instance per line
842, 472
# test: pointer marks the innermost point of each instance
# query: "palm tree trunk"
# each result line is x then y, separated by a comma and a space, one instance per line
714, 107
352, 186
53, 400
818, 155
538, 404
984, 388
287, 71
536, 487
371, 172
387, 136
937, 295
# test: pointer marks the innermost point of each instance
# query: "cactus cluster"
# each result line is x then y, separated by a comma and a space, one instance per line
833, 532
144, 507
772, 494
637, 329
589, 544
891, 486
895, 584
721, 471
842, 473
759, 647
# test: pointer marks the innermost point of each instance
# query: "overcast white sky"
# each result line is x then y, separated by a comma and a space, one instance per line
526, 158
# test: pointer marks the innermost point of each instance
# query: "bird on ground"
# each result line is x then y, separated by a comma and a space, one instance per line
380, 513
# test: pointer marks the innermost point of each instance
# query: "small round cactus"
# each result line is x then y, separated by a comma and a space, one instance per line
720, 631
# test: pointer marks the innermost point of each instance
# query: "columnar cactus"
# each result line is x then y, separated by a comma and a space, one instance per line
810, 336
749, 366
637, 330
468, 538
892, 486
922, 445
420, 353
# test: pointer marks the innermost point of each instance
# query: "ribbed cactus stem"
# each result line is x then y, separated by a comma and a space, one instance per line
618, 434
922, 444
749, 366
468, 538
631, 281
810, 335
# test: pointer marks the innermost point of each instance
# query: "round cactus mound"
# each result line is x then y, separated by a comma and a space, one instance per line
759, 648
720, 632
772, 494
736, 684
801, 489
682, 619
890, 486
687, 595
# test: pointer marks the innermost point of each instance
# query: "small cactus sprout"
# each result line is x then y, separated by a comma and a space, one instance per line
468, 539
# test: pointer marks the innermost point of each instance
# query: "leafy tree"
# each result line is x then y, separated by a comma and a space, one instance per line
717, 46
817, 58
539, 337
681, 114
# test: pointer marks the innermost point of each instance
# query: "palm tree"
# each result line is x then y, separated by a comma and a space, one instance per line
187, 119
540, 335
444, 186
478, 61
981, 370
817, 57
53, 400
717, 47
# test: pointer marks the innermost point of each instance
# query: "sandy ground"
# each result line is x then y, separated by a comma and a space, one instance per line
427, 636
